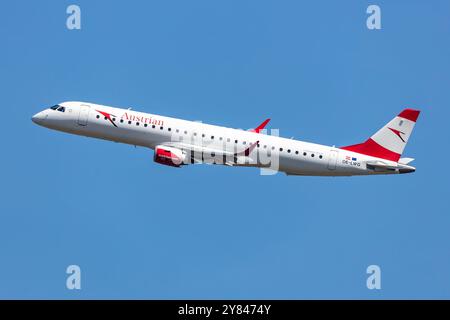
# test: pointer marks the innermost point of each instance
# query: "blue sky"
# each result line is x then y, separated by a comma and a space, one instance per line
142, 230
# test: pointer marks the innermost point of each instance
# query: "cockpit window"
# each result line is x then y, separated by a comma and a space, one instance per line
58, 108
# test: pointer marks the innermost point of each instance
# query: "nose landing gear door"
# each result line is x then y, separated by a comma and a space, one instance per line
83, 115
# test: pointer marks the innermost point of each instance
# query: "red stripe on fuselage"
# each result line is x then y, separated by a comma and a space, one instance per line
371, 148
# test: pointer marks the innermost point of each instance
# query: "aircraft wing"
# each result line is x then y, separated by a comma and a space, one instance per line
206, 154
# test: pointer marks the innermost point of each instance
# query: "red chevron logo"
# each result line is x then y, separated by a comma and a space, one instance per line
108, 116
397, 133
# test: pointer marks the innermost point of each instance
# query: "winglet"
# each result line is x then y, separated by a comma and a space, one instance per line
261, 126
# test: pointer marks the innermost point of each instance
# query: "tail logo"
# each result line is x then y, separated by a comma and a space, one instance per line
398, 133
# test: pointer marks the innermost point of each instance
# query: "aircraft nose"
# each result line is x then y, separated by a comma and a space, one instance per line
39, 117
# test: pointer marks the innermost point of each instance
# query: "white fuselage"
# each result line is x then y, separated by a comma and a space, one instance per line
149, 130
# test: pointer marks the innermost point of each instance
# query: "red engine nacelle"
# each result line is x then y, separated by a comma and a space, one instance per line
169, 156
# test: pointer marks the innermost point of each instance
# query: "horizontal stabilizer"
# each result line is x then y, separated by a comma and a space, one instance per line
405, 160
383, 167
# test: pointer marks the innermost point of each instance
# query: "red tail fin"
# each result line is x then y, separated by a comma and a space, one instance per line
390, 141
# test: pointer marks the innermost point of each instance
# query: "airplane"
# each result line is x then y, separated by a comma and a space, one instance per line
178, 142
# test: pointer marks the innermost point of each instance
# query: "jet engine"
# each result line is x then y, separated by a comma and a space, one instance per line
169, 156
